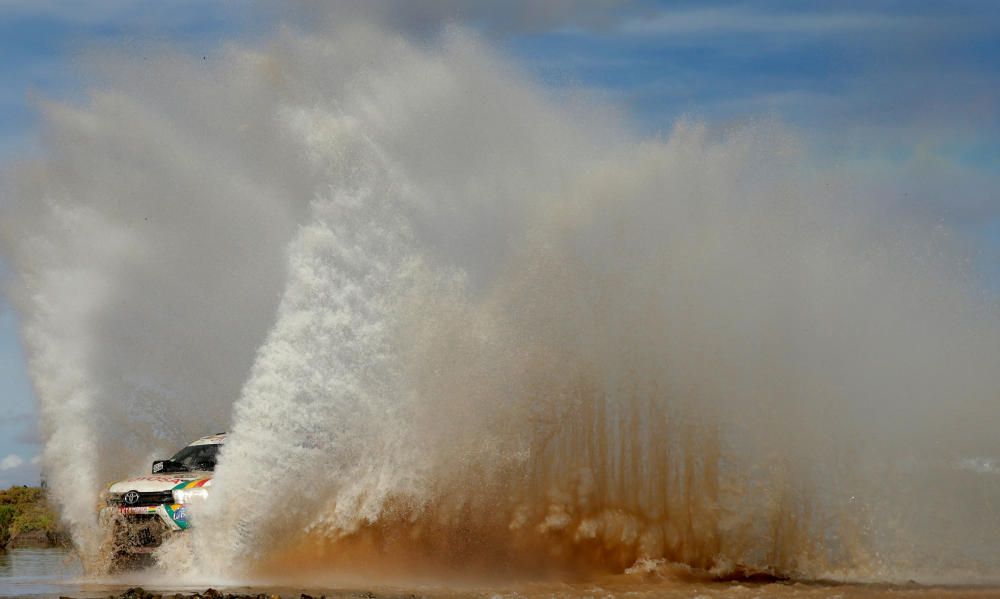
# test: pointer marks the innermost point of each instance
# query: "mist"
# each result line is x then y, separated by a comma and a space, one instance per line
455, 321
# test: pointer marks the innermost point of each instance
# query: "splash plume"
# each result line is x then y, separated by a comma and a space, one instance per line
452, 321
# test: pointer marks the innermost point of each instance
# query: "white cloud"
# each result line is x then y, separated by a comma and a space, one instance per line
11, 461
16, 470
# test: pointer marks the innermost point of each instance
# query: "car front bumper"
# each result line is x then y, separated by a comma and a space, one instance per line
174, 516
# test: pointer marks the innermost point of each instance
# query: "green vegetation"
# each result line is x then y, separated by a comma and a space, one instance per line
25, 510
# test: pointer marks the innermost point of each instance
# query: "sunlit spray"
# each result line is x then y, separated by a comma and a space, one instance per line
454, 323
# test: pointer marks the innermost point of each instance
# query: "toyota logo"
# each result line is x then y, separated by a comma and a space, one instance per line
131, 498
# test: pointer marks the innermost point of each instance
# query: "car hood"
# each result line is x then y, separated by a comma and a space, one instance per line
157, 482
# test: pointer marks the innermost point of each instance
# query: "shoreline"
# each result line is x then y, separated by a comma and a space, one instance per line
27, 521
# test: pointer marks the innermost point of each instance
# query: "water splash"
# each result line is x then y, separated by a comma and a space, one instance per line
480, 328
696, 349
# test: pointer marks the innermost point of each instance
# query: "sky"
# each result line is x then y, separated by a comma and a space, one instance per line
907, 90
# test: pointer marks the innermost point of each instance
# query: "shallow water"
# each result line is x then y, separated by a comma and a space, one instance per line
31, 572
56, 572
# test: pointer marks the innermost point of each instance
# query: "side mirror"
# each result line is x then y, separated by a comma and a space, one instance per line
161, 465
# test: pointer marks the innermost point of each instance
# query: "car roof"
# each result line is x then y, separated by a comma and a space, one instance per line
216, 439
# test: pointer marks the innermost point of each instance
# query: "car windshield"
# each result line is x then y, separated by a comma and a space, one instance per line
197, 457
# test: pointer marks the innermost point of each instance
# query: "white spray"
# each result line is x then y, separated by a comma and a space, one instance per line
506, 333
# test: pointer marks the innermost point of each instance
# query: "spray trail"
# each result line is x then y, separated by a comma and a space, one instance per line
147, 252
468, 325
519, 346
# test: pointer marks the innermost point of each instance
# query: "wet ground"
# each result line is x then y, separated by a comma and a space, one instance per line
55, 573
734, 591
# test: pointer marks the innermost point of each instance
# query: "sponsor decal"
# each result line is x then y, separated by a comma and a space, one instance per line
158, 479
178, 515
146, 509
192, 483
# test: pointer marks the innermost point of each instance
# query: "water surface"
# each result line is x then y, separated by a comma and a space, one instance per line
33, 572
57, 572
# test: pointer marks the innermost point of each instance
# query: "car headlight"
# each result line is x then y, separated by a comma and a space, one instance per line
183, 496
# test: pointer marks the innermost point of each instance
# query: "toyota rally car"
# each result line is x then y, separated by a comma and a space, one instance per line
140, 512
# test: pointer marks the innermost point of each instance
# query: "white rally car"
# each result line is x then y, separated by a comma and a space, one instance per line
139, 512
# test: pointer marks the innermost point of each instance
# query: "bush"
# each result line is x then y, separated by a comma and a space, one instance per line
22, 495
8, 513
24, 509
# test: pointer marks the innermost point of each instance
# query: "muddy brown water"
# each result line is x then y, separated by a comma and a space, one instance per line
56, 573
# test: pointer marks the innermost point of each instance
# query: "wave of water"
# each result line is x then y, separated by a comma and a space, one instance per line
456, 322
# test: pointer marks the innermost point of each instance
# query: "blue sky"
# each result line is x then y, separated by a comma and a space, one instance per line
908, 88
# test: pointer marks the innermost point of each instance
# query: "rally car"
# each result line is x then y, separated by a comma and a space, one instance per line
138, 513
